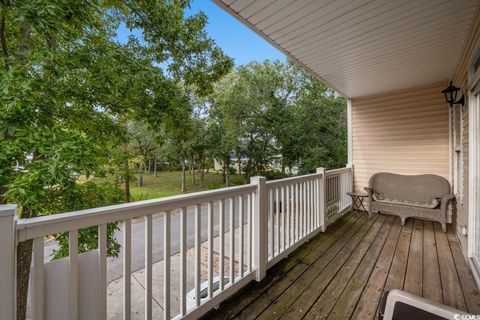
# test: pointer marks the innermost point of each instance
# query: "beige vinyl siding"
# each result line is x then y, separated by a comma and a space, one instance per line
403, 132
460, 79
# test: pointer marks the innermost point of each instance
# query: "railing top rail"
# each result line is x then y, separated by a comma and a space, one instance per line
47, 225
337, 171
285, 181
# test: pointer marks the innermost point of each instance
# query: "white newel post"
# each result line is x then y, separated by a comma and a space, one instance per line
7, 262
260, 231
349, 165
351, 187
322, 189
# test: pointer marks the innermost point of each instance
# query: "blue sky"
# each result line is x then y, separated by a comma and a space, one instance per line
235, 39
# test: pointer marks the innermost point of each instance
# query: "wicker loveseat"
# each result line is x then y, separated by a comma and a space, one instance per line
422, 196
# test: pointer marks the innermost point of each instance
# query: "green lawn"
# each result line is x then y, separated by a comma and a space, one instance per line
168, 183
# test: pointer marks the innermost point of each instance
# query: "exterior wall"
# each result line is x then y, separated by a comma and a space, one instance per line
460, 79
405, 132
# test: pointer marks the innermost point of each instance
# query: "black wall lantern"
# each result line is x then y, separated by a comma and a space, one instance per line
451, 94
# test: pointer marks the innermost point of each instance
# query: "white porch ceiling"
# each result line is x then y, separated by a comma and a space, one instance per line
363, 47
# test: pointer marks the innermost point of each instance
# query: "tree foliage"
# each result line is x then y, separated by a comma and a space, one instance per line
69, 88
273, 110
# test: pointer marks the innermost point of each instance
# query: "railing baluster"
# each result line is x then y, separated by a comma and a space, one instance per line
240, 223
304, 210
127, 269
310, 211
315, 197
292, 214
270, 211
287, 190
250, 234
221, 236
297, 212
73, 274
302, 203
312, 200
198, 210
277, 219
283, 217
148, 267
232, 240
166, 266
102, 272
309, 206
38, 279
312, 205
183, 263
210, 248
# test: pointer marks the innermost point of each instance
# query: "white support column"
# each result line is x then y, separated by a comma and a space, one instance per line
260, 231
350, 165
349, 130
322, 202
8, 259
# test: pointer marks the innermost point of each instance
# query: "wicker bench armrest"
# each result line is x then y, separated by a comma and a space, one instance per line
369, 192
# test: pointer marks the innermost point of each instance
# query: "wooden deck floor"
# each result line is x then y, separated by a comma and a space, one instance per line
343, 273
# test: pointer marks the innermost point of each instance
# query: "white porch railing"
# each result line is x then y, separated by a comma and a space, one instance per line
252, 227
339, 182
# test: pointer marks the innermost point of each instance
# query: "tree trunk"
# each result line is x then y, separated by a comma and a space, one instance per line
155, 165
24, 261
248, 170
202, 173
227, 180
184, 187
127, 179
224, 175
227, 172
140, 175
239, 164
192, 170
149, 166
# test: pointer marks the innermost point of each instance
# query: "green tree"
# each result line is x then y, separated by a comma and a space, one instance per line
268, 110
69, 88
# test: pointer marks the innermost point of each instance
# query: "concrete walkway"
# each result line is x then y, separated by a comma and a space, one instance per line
115, 288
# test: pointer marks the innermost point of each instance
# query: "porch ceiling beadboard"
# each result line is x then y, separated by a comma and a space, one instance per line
364, 47
405, 132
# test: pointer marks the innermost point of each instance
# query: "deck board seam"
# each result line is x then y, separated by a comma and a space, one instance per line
456, 272
408, 256
309, 266
390, 224
340, 269
370, 273
354, 218
389, 268
438, 264
356, 245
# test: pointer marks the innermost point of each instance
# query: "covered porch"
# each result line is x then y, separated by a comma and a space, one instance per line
342, 273
300, 256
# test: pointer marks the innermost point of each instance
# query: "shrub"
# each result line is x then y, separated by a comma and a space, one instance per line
274, 174
84, 196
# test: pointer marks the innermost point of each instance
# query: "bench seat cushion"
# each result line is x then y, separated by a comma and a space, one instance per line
434, 203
